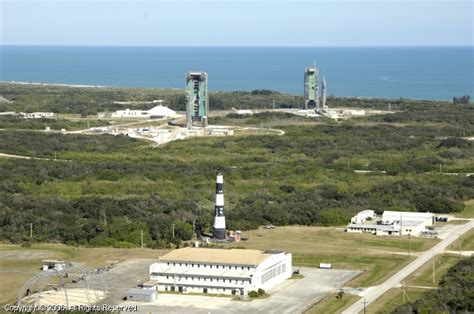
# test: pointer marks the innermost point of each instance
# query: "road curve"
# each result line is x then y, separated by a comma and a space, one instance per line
374, 293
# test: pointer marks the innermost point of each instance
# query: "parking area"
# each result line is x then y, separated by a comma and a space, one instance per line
124, 276
292, 296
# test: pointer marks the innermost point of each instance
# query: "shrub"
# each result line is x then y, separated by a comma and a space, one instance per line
26, 244
253, 294
261, 292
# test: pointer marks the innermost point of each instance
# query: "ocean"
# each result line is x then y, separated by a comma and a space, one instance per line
420, 73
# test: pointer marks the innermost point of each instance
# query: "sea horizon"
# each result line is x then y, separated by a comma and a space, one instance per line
393, 72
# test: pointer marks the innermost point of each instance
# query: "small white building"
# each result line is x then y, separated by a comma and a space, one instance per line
353, 113
220, 271
221, 132
392, 216
37, 115
52, 264
363, 216
243, 111
141, 295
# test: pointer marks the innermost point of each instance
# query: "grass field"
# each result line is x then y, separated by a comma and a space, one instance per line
332, 304
392, 299
377, 257
423, 276
468, 211
18, 265
467, 242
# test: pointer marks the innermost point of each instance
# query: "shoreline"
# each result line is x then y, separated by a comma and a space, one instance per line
217, 91
54, 84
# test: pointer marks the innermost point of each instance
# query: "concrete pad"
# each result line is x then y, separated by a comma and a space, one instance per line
292, 296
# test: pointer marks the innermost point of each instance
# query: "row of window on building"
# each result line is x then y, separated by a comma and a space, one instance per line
204, 290
210, 266
223, 280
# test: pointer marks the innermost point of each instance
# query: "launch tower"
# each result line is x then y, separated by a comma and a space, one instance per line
197, 99
311, 88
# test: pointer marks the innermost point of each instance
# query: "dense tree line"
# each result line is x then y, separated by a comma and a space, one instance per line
455, 293
110, 188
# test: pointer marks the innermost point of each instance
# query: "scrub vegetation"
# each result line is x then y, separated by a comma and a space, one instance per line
104, 190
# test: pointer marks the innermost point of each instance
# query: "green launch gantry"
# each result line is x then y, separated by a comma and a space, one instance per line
311, 88
197, 99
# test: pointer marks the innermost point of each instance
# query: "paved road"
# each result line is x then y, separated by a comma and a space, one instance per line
29, 157
373, 293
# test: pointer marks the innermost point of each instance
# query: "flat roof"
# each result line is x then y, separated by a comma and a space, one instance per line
422, 214
216, 256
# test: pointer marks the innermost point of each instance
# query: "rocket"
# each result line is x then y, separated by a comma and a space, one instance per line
219, 218
324, 93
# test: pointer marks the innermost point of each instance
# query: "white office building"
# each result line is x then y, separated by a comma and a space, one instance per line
393, 223
414, 228
220, 271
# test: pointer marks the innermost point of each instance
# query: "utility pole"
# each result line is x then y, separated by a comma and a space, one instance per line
172, 227
194, 230
460, 247
365, 304
403, 294
409, 246
433, 269
31, 230
401, 224
141, 238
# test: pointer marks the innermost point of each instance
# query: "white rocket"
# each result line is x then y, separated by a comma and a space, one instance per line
219, 218
324, 93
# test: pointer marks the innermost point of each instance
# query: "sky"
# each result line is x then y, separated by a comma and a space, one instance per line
237, 23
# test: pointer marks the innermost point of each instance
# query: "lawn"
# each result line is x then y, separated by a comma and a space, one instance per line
377, 257
468, 211
467, 242
394, 298
332, 304
423, 276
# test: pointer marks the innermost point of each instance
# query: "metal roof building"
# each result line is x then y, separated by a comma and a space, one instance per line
220, 271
